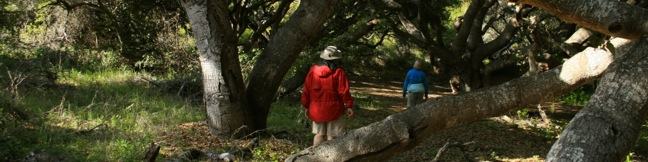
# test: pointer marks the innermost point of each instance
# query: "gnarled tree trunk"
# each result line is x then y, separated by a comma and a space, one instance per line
609, 125
281, 53
222, 82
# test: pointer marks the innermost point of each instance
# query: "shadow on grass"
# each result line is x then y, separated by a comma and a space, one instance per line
100, 117
40, 141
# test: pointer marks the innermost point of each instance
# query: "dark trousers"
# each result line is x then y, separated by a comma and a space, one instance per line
414, 98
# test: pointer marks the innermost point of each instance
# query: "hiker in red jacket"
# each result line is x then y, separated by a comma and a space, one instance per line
326, 96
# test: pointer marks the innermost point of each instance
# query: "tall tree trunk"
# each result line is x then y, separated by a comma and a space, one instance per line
609, 125
222, 82
401, 131
281, 53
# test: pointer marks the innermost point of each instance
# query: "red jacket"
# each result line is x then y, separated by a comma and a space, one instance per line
326, 93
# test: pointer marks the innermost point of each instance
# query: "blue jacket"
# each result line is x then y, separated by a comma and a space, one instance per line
415, 76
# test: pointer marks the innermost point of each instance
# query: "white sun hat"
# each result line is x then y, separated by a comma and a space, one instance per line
330, 53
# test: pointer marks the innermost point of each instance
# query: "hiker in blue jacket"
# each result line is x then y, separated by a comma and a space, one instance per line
415, 86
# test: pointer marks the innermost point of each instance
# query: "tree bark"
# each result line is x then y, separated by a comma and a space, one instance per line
609, 125
459, 44
475, 38
488, 49
411, 28
222, 80
280, 54
610, 17
401, 131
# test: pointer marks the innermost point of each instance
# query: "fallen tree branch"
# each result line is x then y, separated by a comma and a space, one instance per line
402, 131
441, 151
449, 144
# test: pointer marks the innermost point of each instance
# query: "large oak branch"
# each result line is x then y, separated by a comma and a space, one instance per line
281, 52
493, 46
459, 44
402, 131
611, 17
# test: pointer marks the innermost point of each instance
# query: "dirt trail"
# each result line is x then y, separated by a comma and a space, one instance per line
391, 92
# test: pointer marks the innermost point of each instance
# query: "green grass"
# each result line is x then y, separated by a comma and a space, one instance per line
642, 144
126, 115
578, 97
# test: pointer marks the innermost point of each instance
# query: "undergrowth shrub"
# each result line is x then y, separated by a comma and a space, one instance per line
578, 97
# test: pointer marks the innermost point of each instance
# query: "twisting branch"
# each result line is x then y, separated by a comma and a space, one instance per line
491, 47
475, 37
459, 44
274, 20
491, 22
610, 17
411, 28
360, 29
382, 38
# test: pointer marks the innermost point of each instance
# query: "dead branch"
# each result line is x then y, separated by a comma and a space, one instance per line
86, 131
449, 144
14, 83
